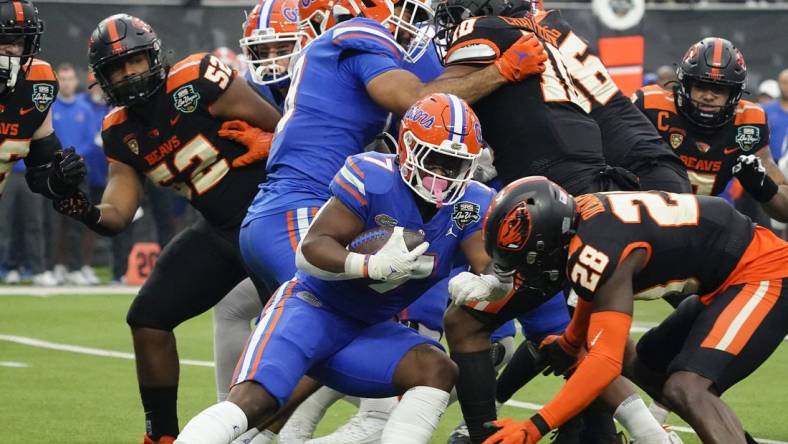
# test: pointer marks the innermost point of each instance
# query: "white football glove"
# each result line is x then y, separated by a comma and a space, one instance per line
469, 287
393, 261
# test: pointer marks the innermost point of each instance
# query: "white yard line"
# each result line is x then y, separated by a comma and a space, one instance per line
532, 406
13, 364
45, 292
32, 342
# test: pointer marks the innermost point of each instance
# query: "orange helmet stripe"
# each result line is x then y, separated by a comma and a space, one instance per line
20, 13
112, 29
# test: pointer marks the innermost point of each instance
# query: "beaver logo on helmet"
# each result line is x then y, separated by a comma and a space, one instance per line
515, 228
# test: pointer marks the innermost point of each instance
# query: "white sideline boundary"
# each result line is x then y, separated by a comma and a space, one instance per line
38, 343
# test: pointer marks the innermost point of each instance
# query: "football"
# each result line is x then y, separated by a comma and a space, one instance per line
370, 241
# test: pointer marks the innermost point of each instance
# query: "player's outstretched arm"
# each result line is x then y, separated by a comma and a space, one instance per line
240, 102
120, 201
481, 284
52, 171
608, 332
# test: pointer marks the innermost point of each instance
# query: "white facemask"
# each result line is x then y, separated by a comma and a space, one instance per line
9, 69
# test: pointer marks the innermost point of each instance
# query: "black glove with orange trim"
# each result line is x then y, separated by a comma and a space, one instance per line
257, 141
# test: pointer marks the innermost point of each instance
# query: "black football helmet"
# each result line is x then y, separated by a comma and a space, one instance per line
713, 61
115, 40
527, 231
450, 13
18, 21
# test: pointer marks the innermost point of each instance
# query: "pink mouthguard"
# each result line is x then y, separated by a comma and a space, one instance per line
436, 187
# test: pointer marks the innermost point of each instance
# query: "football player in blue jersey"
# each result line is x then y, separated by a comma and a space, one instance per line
273, 36
334, 319
343, 88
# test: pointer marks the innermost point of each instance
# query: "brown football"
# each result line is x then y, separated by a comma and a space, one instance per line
370, 241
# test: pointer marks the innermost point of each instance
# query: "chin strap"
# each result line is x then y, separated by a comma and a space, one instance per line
9, 70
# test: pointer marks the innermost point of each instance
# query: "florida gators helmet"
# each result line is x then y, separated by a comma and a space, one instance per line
272, 39
440, 140
408, 20
315, 16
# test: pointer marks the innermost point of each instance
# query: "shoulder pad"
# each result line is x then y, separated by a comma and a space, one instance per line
362, 34
480, 40
40, 71
749, 113
378, 171
478, 192
185, 71
115, 117
654, 97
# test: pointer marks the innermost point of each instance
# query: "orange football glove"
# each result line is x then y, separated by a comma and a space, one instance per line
524, 58
513, 432
257, 141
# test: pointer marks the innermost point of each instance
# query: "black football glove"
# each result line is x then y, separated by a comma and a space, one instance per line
559, 355
68, 171
79, 207
752, 175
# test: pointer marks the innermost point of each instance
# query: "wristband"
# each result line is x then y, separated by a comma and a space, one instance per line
765, 192
357, 265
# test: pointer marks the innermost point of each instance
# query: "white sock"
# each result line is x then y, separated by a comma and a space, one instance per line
219, 424
378, 405
635, 417
659, 411
302, 423
416, 417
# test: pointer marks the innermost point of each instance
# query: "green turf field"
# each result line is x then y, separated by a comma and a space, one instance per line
68, 397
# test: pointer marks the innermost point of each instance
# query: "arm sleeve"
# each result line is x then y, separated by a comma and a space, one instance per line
365, 66
609, 331
348, 185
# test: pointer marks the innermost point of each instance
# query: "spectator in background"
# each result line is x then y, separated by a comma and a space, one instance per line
71, 119
665, 75
777, 115
768, 90
22, 231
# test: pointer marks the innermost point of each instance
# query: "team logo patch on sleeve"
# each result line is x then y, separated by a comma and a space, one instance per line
186, 99
676, 139
747, 137
43, 96
465, 213
131, 141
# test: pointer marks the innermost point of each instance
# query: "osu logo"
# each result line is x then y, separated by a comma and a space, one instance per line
515, 228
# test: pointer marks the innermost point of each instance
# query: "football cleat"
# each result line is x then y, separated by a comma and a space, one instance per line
459, 435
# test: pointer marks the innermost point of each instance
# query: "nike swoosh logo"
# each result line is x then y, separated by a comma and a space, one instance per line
175, 119
593, 341
23, 111
727, 151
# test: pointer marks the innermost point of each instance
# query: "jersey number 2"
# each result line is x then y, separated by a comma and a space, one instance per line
666, 209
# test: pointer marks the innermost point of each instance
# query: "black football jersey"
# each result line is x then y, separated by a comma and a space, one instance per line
22, 112
176, 142
535, 127
693, 242
708, 155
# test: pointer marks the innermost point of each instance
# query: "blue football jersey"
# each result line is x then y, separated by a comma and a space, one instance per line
370, 185
328, 113
265, 91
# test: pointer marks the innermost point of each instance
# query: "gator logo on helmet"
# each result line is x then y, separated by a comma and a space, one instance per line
290, 14
515, 229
